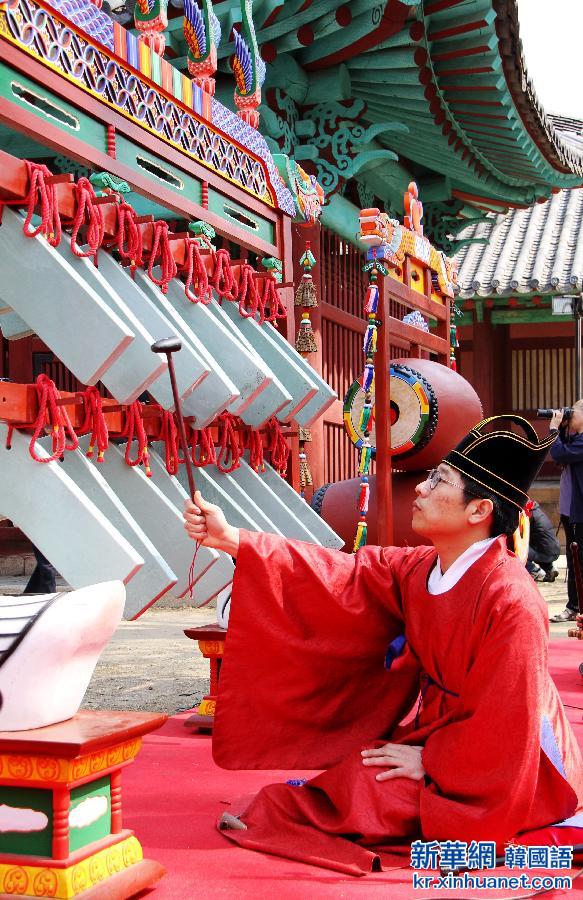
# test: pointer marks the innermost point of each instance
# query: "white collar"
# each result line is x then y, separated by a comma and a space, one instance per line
439, 583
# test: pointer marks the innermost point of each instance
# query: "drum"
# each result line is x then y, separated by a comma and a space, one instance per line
431, 409
337, 504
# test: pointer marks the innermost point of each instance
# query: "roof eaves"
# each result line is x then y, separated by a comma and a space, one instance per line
562, 155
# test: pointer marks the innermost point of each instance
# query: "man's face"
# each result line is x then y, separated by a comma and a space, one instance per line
576, 420
443, 510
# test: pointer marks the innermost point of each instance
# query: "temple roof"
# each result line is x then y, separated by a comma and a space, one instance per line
571, 130
443, 85
538, 250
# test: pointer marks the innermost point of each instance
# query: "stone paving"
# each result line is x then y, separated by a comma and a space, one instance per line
555, 595
151, 665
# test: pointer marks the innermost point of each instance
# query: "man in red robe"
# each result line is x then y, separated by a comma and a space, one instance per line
327, 653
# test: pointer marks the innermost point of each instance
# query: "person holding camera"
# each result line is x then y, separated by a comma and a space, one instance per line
567, 451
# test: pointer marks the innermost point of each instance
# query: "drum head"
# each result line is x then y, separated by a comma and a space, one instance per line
413, 412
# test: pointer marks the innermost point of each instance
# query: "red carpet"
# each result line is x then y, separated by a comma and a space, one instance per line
174, 793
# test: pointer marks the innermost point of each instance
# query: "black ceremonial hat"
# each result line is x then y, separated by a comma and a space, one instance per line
502, 461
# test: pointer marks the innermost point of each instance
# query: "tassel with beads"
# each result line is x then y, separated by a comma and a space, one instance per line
368, 377
306, 292
363, 496
306, 342
453, 345
369, 344
365, 457
371, 299
365, 417
360, 538
305, 474
307, 259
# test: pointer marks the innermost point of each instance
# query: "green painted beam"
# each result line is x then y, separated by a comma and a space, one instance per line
526, 316
287, 74
341, 216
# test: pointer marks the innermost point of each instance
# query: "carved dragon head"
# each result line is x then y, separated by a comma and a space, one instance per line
376, 228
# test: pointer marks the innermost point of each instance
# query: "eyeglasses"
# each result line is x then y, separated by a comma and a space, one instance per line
434, 477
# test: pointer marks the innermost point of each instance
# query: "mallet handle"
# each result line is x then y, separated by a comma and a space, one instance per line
168, 346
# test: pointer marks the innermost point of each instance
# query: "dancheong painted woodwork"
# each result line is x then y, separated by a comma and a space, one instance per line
138, 207
61, 794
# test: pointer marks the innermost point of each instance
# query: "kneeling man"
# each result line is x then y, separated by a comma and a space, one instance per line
328, 653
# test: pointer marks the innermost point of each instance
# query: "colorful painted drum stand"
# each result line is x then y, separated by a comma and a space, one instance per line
61, 808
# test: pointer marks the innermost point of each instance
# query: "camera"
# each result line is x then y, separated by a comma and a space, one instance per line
548, 413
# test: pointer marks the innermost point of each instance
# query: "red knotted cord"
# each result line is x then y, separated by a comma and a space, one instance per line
255, 446
223, 280
203, 439
196, 274
95, 423
91, 214
272, 300
58, 419
134, 429
169, 436
129, 237
44, 196
278, 447
161, 248
230, 452
249, 295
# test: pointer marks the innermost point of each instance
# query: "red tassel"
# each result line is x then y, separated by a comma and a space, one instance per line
363, 497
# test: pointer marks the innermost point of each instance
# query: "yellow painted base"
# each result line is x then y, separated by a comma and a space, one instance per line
47, 770
66, 883
207, 707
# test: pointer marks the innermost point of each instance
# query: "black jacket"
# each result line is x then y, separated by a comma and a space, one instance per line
568, 451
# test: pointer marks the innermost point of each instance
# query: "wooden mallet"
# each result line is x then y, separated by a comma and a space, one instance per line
169, 346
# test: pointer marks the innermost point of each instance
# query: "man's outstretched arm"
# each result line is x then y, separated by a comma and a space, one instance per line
206, 523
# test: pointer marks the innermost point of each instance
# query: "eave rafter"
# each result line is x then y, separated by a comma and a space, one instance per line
450, 71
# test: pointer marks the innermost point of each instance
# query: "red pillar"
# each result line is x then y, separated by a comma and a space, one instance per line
20, 360
483, 361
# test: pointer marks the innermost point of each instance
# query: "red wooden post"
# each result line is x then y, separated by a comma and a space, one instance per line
483, 362
115, 795
61, 803
20, 360
384, 488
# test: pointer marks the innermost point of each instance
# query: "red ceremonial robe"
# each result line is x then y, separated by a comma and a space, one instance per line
303, 685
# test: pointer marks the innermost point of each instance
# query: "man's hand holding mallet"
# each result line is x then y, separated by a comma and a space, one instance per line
206, 523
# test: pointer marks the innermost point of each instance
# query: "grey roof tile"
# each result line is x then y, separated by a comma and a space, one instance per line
534, 250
